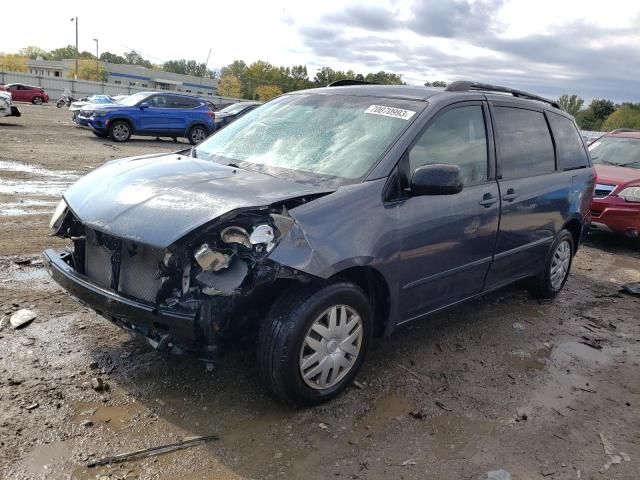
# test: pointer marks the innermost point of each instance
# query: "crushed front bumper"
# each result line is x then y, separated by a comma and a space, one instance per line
163, 328
615, 215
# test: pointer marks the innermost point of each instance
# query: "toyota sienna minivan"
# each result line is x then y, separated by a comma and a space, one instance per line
327, 217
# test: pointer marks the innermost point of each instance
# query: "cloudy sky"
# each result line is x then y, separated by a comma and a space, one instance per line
550, 47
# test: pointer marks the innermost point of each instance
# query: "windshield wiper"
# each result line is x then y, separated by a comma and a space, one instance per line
629, 164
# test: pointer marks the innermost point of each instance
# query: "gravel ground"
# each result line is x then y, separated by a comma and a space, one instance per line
505, 382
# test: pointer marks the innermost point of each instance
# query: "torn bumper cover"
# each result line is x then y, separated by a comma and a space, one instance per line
161, 326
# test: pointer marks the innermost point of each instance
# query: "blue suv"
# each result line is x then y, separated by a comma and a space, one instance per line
151, 114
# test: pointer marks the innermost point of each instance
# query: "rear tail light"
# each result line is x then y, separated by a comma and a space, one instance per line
211, 114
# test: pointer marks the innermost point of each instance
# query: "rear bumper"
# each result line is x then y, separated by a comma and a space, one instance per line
616, 215
164, 328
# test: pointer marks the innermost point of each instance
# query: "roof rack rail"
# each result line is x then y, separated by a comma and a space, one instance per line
347, 81
624, 130
466, 86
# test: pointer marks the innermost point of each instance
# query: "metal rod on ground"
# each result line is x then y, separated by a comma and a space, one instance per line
149, 452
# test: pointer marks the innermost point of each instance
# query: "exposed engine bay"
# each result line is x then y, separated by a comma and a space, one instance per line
209, 273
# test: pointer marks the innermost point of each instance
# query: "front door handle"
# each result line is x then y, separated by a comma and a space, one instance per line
510, 196
488, 200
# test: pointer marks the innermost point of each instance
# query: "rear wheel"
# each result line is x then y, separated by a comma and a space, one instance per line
314, 341
37, 100
557, 266
120, 131
196, 134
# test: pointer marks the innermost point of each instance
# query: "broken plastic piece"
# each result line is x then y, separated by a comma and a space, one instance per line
224, 282
262, 234
209, 259
235, 234
283, 223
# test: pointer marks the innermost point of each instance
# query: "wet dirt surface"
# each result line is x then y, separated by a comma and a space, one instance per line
502, 382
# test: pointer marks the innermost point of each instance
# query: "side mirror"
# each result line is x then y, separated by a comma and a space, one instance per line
144, 105
436, 179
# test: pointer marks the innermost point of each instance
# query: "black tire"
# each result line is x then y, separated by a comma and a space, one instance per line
282, 337
197, 134
543, 286
99, 134
60, 103
37, 100
120, 131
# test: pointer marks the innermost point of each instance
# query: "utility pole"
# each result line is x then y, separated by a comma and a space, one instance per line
97, 63
205, 66
76, 20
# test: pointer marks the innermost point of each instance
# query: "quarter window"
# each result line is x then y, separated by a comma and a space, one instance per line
457, 137
571, 152
526, 148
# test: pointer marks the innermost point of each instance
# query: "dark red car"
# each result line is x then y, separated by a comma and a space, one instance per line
616, 201
26, 93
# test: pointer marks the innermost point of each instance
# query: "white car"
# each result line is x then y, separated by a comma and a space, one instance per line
7, 109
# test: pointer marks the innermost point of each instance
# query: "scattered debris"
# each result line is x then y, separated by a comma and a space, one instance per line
418, 414
408, 370
631, 288
518, 327
22, 261
443, 406
591, 342
97, 384
406, 463
87, 423
33, 406
22, 318
557, 411
358, 384
547, 472
522, 414
560, 437
93, 365
613, 457
149, 452
496, 475
323, 426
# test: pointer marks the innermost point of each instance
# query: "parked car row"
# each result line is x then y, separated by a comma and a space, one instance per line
26, 93
157, 114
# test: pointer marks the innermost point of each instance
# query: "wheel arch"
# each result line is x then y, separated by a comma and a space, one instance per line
123, 118
574, 226
375, 285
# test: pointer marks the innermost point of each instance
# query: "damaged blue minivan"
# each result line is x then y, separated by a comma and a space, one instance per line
327, 217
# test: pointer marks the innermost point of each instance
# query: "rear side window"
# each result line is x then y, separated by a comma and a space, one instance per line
457, 137
182, 102
571, 152
526, 148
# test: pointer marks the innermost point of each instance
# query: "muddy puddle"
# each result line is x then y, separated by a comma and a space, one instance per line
30, 188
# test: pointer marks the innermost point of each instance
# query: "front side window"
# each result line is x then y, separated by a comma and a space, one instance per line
526, 148
158, 101
571, 152
457, 137
313, 137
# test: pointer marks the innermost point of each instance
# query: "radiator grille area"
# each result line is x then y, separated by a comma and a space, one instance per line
139, 275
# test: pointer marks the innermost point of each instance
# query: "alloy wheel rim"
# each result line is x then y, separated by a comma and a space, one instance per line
331, 347
120, 131
198, 135
37, 100
560, 264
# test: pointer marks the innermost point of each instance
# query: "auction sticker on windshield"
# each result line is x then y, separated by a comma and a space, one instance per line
390, 112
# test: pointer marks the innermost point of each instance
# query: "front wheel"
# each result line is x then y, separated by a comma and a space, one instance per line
556, 268
37, 100
313, 341
60, 103
196, 134
120, 131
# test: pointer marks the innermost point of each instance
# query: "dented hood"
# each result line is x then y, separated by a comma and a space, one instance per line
156, 200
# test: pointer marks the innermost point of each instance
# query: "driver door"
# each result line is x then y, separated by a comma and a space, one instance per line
154, 118
447, 241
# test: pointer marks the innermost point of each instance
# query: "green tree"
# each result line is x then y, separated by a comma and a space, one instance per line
627, 116
134, 58
112, 58
237, 68
595, 114
33, 52
436, 83
571, 103
87, 71
61, 53
229, 86
188, 67
385, 78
